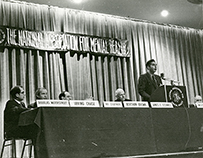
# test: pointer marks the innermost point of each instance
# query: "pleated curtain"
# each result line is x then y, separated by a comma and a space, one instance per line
177, 50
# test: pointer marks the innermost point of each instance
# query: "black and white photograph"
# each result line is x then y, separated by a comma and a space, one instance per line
101, 78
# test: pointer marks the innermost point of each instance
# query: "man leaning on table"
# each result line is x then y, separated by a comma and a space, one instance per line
14, 107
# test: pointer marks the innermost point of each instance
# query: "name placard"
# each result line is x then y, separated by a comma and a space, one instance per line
161, 105
108, 104
83, 103
135, 104
52, 103
199, 105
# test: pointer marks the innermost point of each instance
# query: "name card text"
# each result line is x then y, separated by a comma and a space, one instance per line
135, 104
84, 103
52, 103
112, 104
161, 105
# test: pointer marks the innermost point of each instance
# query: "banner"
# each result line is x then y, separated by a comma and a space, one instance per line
54, 41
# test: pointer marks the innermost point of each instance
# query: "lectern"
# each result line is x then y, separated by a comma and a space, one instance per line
175, 94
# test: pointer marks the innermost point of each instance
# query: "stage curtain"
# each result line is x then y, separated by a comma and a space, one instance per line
177, 51
84, 75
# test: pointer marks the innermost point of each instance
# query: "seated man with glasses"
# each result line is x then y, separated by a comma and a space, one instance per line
14, 107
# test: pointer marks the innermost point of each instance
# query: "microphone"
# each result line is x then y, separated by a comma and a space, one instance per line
168, 79
162, 76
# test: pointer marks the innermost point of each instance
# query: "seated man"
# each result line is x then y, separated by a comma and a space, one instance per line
14, 107
120, 95
197, 99
41, 93
65, 96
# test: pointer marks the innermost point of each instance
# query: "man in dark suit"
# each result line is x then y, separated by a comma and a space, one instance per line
41, 93
13, 109
149, 81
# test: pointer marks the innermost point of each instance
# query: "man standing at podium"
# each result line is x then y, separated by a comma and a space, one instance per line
149, 81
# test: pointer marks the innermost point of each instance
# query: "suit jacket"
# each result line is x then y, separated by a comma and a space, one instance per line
11, 114
33, 105
146, 86
123, 101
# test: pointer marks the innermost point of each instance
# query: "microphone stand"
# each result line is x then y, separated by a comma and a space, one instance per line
166, 98
164, 81
174, 81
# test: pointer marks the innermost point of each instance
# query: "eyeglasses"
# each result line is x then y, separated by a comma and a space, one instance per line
23, 92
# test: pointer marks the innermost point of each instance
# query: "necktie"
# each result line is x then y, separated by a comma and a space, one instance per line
154, 80
22, 104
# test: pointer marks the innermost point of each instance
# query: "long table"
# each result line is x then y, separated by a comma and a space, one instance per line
114, 132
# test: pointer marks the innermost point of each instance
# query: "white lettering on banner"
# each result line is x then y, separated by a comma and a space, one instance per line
64, 41
11, 36
104, 47
83, 44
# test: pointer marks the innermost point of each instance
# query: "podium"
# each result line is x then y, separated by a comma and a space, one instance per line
174, 94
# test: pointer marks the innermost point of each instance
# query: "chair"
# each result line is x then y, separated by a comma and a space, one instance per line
12, 143
26, 145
